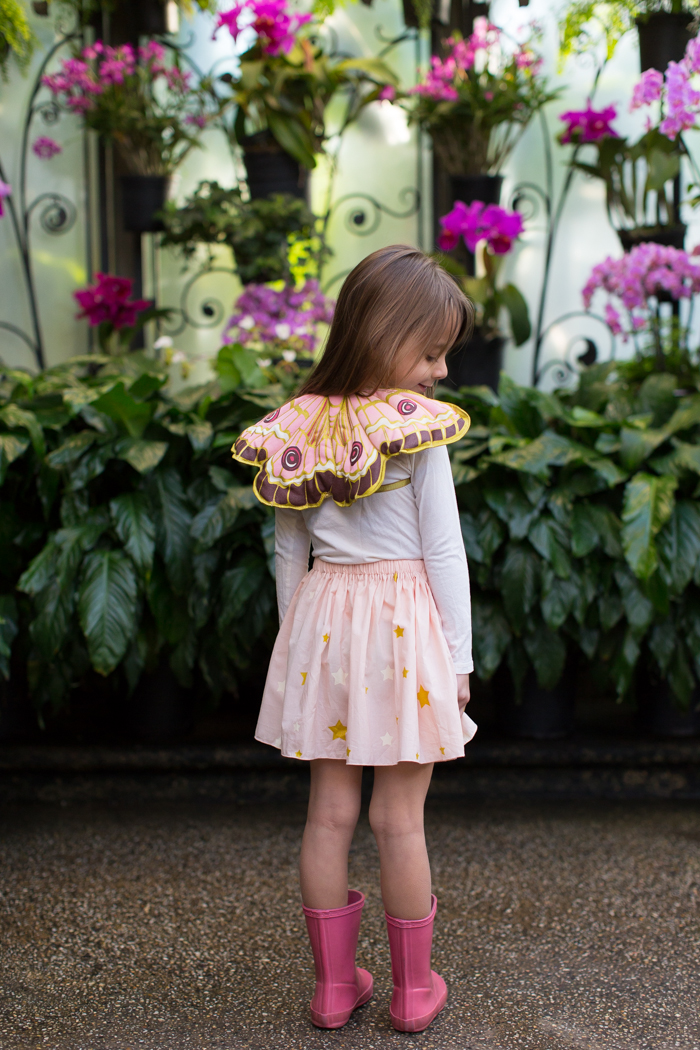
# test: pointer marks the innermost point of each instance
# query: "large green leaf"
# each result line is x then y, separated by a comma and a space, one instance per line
11, 448
679, 545
687, 415
648, 504
120, 406
144, 456
219, 516
558, 598
491, 634
9, 627
549, 539
41, 569
169, 610
610, 610
520, 576
547, 652
292, 137
637, 445
50, 629
135, 527
173, 528
13, 416
238, 585
516, 306
513, 508
71, 449
584, 530
107, 606
663, 640
638, 609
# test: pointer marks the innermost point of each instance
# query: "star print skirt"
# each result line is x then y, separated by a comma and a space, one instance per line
361, 670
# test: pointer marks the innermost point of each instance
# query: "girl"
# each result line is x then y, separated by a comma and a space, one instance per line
371, 665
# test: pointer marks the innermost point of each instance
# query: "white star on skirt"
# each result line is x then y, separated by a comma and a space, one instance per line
388, 672
386, 739
280, 686
339, 676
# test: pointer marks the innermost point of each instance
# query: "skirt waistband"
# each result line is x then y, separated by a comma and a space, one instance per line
392, 569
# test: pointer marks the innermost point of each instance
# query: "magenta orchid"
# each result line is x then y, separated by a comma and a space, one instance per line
268, 318
45, 147
476, 100
5, 191
274, 24
588, 125
680, 101
478, 222
648, 272
108, 302
148, 107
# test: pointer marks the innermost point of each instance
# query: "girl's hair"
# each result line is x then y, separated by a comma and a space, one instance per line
395, 294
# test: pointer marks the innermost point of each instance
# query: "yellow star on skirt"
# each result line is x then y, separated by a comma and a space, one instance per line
423, 695
405, 672
303, 677
338, 730
347, 750
398, 631
396, 576
298, 754
326, 637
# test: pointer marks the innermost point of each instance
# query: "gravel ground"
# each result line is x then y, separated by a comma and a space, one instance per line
178, 927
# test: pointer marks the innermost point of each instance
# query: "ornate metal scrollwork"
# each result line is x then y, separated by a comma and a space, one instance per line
363, 219
211, 309
580, 350
58, 214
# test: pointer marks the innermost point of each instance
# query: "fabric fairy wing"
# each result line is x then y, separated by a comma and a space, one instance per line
315, 447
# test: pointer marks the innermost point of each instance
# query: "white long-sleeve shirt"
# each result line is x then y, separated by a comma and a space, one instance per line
417, 521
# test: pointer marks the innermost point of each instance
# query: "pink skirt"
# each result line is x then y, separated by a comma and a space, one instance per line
361, 670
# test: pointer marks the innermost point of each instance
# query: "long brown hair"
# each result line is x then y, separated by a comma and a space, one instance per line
394, 295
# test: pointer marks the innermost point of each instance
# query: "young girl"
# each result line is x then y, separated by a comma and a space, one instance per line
371, 665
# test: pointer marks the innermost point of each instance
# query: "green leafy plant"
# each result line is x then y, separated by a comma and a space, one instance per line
288, 78
128, 536
587, 24
581, 519
270, 237
16, 37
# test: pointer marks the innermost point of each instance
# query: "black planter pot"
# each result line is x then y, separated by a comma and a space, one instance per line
270, 169
663, 38
659, 711
479, 363
161, 709
542, 714
468, 188
142, 197
669, 236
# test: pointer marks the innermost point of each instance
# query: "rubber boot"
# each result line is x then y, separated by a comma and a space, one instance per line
340, 985
419, 993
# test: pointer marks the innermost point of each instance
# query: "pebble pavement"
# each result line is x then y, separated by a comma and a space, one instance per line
178, 927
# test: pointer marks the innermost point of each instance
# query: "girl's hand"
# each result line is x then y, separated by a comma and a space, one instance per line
462, 691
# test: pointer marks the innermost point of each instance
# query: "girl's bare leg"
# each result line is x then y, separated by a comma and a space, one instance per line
334, 806
396, 818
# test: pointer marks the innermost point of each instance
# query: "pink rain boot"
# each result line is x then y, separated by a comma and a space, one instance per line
419, 993
340, 985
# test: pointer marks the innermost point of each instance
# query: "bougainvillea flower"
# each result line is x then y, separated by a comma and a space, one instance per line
108, 300
478, 222
46, 148
292, 315
588, 125
5, 191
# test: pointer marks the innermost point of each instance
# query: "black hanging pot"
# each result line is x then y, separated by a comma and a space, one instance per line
143, 196
663, 38
468, 188
478, 363
542, 714
669, 236
270, 169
